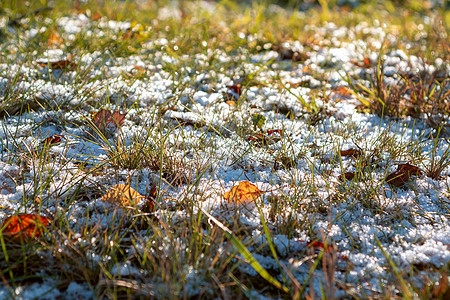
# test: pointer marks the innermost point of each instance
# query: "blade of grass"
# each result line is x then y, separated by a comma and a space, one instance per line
407, 293
246, 254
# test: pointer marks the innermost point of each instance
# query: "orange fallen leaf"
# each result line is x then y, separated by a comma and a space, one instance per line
342, 91
24, 226
60, 65
244, 192
53, 139
318, 246
54, 40
123, 195
366, 63
307, 69
96, 16
104, 119
351, 152
402, 175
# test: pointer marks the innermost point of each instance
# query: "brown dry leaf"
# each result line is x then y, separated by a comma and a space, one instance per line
295, 56
163, 110
244, 192
150, 200
443, 288
350, 152
123, 195
24, 226
236, 88
54, 40
60, 65
347, 175
104, 119
53, 139
402, 175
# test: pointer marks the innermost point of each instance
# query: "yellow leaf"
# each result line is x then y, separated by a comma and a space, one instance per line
242, 193
123, 195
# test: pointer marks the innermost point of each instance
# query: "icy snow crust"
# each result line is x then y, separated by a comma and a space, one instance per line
421, 236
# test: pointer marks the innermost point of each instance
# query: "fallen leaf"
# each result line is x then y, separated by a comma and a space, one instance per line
268, 137
188, 122
96, 16
342, 91
351, 152
442, 288
236, 88
402, 175
295, 56
60, 65
306, 69
123, 195
24, 226
318, 246
347, 175
163, 110
53, 139
104, 119
366, 63
135, 72
54, 40
149, 205
244, 192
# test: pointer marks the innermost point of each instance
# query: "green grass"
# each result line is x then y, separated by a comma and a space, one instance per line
181, 250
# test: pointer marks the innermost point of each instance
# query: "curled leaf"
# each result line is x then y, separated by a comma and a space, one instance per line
104, 119
244, 192
236, 88
400, 177
54, 139
149, 205
351, 152
347, 175
24, 226
60, 65
123, 195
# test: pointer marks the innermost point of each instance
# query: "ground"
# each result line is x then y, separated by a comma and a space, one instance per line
223, 150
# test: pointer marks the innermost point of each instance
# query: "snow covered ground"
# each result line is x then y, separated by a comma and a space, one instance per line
195, 105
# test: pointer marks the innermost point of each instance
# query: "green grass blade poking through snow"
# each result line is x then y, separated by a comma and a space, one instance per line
246, 254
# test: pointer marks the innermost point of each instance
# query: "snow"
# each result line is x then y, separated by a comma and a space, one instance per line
421, 236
